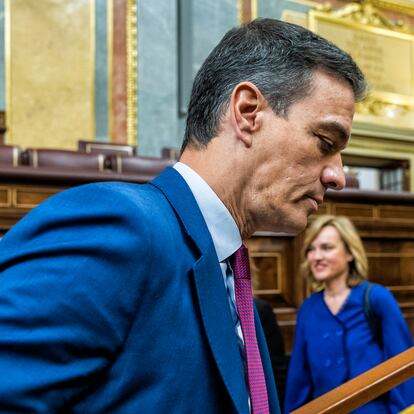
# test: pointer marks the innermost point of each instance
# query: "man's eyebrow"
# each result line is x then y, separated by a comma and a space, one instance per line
335, 128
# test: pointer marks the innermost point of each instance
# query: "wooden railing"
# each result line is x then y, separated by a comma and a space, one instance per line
363, 388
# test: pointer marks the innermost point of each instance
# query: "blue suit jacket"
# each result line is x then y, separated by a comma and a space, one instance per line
112, 301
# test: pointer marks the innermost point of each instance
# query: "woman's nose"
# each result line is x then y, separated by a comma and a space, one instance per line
314, 255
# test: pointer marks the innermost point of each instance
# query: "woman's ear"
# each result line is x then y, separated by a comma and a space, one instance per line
246, 102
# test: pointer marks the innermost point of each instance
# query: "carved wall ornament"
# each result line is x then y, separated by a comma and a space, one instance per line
366, 13
374, 106
132, 66
384, 54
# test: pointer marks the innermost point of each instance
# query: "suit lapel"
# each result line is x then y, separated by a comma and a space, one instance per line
220, 329
267, 366
211, 292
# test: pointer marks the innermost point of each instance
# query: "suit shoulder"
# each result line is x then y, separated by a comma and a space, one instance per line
107, 192
128, 210
104, 198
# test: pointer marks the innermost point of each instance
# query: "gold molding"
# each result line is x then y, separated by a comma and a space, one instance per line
110, 52
8, 193
400, 6
388, 106
92, 12
380, 136
253, 10
132, 66
364, 17
366, 13
7, 57
384, 108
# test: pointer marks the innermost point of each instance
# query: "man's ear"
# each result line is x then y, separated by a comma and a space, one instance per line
245, 103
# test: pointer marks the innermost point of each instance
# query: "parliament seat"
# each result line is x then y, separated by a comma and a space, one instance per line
106, 148
139, 165
10, 156
63, 160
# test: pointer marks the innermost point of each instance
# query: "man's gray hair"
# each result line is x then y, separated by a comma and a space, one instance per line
279, 58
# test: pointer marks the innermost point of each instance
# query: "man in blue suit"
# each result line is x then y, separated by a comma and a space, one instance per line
118, 298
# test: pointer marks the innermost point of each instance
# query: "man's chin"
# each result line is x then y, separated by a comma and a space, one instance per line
292, 227
296, 229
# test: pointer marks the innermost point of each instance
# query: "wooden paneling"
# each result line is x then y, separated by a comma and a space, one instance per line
398, 213
271, 259
384, 220
5, 197
17, 200
359, 211
386, 226
30, 197
274, 260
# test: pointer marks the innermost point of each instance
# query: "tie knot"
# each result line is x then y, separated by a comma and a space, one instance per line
241, 263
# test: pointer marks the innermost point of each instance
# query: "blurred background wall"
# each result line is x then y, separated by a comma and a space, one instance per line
120, 71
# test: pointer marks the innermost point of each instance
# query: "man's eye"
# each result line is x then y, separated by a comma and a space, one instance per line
325, 145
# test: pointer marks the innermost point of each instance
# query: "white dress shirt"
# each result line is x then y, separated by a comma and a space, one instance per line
222, 228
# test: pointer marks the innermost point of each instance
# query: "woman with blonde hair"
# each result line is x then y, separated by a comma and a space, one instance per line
348, 325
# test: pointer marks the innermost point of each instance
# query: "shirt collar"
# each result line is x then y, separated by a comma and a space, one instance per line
220, 223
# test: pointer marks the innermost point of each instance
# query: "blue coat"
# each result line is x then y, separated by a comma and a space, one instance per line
332, 349
112, 301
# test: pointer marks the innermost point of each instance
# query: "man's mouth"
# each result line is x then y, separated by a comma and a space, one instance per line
318, 199
315, 201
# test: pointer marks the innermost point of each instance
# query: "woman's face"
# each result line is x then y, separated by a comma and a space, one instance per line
328, 257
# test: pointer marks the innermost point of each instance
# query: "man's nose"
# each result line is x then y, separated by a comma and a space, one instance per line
333, 175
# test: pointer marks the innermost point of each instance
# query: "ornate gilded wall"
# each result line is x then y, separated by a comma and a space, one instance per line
379, 34
121, 70
55, 71
49, 72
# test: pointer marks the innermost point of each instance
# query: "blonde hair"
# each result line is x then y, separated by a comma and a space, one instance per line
358, 267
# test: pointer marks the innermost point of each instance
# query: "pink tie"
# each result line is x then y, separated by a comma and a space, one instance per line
244, 302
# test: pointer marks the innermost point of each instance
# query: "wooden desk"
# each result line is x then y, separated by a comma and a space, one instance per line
385, 221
